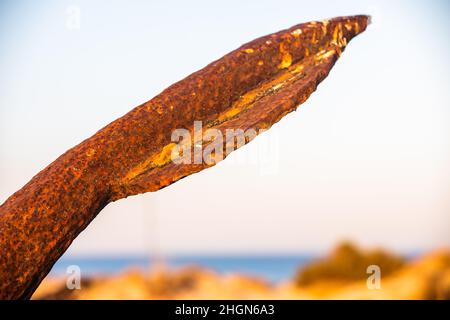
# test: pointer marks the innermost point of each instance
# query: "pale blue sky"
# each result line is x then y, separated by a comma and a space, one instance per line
365, 158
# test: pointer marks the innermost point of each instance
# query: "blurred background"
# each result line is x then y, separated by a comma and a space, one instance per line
365, 160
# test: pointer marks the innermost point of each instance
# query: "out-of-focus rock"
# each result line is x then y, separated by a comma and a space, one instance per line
425, 278
347, 263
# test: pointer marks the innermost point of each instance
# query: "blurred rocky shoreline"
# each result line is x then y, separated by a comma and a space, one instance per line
343, 274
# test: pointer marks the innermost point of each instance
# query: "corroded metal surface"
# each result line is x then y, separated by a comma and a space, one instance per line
250, 88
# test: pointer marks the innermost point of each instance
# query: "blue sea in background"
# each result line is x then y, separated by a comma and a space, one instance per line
271, 268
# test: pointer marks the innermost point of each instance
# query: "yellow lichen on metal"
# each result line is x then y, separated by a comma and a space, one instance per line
324, 26
297, 32
324, 54
247, 100
90, 152
286, 57
159, 159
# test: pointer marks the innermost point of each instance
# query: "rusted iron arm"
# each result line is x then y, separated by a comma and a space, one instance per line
252, 87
